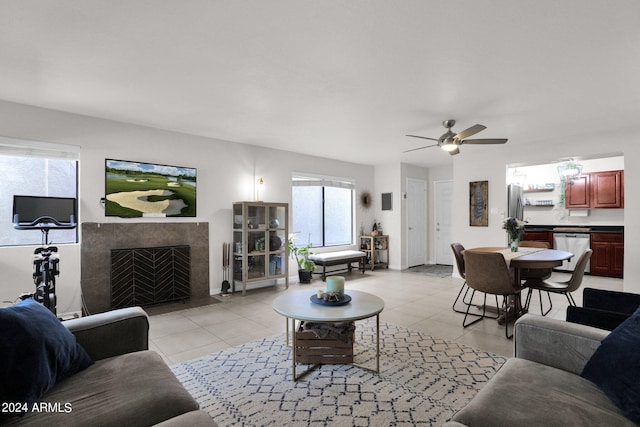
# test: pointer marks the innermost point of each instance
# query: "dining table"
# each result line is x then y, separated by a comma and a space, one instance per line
525, 257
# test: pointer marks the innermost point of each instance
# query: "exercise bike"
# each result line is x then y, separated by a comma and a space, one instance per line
46, 264
45, 270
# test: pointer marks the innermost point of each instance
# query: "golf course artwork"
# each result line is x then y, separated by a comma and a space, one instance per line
135, 189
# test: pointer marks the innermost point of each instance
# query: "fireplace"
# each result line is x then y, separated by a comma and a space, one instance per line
100, 239
146, 276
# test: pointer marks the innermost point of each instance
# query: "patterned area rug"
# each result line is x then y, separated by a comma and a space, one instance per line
436, 270
422, 381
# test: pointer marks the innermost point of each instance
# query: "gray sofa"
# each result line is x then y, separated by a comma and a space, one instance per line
541, 384
127, 385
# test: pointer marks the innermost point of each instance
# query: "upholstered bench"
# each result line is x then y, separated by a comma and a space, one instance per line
329, 259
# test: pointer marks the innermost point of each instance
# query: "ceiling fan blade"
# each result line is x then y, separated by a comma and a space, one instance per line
470, 131
484, 141
420, 148
454, 152
423, 137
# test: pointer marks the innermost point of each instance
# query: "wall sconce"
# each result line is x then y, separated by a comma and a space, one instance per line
259, 186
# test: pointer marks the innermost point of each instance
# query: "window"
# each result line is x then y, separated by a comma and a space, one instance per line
322, 210
30, 168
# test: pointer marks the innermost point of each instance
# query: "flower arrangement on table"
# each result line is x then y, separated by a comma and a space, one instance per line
514, 228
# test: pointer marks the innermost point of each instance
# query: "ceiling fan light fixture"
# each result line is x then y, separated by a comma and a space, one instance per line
451, 142
449, 146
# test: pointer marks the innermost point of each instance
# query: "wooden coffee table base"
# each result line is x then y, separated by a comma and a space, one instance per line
294, 349
296, 306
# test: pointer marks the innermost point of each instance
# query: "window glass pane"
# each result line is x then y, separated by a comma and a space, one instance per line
307, 215
338, 220
33, 176
322, 211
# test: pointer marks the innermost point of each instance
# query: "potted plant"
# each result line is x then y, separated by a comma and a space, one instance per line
301, 255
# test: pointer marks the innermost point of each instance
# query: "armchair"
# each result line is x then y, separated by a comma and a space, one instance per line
603, 309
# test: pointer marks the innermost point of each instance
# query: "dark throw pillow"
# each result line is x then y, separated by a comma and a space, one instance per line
36, 351
615, 367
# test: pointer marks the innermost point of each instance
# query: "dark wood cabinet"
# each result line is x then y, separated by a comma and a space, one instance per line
596, 190
608, 254
578, 193
539, 236
607, 189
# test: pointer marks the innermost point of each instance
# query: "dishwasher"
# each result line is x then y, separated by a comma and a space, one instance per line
572, 240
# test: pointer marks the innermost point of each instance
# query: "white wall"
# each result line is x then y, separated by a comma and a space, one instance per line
226, 173
393, 178
387, 180
494, 160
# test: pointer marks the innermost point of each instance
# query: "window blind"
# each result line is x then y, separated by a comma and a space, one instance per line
318, 181
47, 150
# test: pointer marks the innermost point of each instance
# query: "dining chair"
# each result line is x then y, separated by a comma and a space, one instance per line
564, 288
488, 272
534, 273
458, 249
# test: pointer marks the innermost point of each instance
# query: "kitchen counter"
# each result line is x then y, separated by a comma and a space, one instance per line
592, 228
606, 242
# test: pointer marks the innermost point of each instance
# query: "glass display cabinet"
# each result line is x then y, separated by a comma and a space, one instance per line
260, 252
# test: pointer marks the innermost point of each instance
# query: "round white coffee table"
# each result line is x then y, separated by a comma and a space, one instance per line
297, 306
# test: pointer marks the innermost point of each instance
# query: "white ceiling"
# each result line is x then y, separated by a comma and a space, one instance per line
338, 79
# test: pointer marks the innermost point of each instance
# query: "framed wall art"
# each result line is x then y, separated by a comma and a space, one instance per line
478, 203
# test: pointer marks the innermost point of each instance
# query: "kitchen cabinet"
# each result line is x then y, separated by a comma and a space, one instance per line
596, 190
608, 254
607, 189
577, 194
539, 236
260, 243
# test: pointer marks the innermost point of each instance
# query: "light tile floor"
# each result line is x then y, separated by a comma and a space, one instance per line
412, 300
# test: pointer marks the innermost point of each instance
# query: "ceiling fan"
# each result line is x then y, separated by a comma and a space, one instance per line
451, 142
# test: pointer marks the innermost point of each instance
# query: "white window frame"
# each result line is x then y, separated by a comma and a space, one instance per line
44, 150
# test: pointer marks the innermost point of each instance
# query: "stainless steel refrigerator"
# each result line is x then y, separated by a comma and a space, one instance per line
515, 203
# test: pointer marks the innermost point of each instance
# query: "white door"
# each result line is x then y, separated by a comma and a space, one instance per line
416, 222
443, 199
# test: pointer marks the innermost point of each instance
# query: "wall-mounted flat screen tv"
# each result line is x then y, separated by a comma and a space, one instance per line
135, 189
